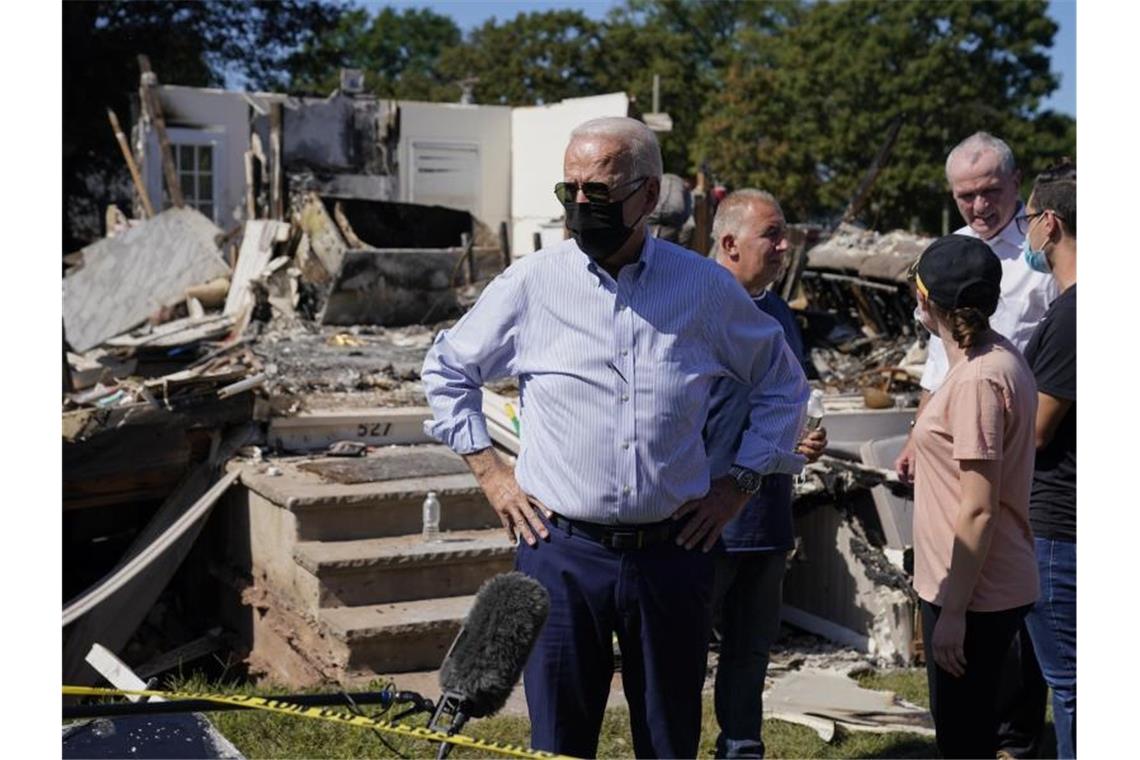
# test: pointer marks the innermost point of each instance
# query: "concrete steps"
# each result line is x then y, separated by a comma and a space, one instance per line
397, 637
400, 568
336, 545
339, 511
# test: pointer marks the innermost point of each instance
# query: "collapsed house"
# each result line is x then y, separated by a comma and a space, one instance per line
242, 425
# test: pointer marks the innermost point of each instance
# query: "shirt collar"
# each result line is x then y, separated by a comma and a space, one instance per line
644, 260
1007, 242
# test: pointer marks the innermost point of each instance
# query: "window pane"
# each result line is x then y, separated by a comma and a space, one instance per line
205, 158
207, 209
186, 157
187, 183
205, 187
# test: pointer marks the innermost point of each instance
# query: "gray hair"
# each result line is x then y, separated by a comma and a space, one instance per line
978, 144
645, 152
730, 213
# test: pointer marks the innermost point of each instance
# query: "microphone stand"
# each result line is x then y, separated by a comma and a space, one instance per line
449, 717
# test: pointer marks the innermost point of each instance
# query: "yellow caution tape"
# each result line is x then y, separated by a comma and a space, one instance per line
322, 713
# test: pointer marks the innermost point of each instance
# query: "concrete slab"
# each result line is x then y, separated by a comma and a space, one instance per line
396, 464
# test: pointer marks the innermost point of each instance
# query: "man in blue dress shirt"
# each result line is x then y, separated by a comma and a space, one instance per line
616, 339
749, 241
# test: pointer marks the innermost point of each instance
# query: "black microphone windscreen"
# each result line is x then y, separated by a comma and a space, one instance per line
491, 650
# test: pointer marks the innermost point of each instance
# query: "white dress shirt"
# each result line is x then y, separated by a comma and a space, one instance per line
1025, 295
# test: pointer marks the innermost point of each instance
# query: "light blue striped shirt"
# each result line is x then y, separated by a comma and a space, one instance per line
615, 378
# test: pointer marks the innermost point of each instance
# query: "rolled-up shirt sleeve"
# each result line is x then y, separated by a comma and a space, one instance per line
479, 347
752, 347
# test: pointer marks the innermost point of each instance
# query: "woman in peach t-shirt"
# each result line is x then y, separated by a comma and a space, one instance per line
974, 564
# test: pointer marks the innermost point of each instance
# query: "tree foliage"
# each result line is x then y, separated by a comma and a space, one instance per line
806, 123
399, 53
792, 96
533, 58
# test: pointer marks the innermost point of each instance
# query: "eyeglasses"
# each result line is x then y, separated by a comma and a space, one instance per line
1024, 220
595, 192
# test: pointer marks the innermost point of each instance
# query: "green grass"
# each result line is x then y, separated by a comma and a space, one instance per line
264, 735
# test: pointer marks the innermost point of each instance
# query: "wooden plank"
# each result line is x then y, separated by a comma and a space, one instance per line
117, 673
176, 332
132, 166
127, 278
277, 171
153, 106
253, 256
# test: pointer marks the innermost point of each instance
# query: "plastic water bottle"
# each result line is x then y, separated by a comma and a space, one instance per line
431, 518
814, 411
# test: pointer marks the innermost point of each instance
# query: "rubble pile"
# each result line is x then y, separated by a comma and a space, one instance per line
858, 304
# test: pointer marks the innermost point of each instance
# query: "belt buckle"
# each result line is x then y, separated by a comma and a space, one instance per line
627, 539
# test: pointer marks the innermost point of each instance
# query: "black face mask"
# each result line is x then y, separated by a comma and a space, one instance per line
597, 228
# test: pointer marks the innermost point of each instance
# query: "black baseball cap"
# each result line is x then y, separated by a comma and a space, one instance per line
958, 271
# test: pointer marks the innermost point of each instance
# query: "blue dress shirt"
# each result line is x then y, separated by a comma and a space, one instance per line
765, 523
614, 377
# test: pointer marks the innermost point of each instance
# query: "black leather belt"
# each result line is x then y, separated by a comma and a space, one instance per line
620, 537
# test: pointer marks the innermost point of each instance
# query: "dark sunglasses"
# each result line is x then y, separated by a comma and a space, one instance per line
595, 192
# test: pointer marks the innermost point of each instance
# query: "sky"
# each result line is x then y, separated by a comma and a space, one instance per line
472, 13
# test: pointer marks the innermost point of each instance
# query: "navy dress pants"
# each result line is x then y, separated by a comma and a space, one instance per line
658, 601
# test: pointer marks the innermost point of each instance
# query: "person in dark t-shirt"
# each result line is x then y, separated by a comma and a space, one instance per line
1050, 224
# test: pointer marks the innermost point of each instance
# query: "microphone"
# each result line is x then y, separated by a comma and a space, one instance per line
490, 651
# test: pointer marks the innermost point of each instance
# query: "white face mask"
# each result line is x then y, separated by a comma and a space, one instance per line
923, 317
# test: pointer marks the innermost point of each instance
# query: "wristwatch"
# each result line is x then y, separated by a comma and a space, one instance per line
748, 481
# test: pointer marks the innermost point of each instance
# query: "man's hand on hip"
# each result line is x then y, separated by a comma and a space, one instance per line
710, 513
514, 509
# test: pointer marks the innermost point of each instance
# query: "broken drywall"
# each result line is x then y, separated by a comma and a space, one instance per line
822, 699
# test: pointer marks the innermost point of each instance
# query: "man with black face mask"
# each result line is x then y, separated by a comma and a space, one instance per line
616, 338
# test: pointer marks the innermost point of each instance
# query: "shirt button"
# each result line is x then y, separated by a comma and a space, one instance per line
625, 444
625, 397
625, 490
624, 352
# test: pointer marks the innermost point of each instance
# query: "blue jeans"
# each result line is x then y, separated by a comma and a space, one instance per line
1052, 625
747, 594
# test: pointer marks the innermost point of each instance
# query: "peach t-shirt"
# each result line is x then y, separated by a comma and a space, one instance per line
985, 409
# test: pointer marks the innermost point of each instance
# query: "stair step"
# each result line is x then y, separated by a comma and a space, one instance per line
327, 510
382, 570
316, 429
398, 637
